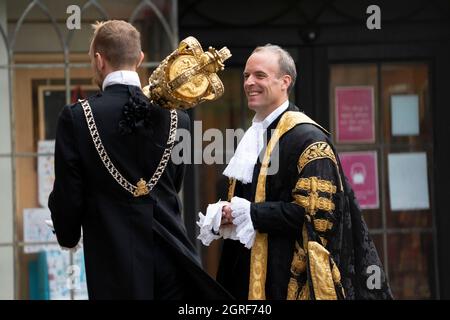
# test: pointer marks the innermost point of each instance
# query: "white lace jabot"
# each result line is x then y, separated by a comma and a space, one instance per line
244, 159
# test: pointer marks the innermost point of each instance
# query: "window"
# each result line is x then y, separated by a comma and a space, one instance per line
381, 114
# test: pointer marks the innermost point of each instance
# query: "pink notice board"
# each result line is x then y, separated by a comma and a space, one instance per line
355, 114
361, 170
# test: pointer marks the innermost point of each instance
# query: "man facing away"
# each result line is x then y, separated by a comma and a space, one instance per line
300, 230
111, 182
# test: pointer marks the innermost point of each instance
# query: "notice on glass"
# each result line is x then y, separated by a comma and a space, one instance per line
46, 170
355, 114
405, 115
408, 181
361, 170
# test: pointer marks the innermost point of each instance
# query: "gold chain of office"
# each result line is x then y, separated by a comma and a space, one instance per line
142, 187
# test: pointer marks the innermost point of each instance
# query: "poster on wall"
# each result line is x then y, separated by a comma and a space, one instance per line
79, 283
57, 263
361, 170
65, 280
405, 115
58, 276
46, 170
355, 114
408, 181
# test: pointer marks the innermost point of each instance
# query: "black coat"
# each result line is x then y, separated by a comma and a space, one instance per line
120, 232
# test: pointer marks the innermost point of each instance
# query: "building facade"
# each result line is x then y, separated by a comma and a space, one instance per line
376, 77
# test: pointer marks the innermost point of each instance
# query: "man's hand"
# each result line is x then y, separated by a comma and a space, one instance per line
227, 218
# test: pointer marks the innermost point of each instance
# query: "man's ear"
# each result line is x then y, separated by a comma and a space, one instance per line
99, 61
287, 80
140, 60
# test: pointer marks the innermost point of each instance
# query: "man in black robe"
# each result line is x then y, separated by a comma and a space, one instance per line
113, 183
300, 230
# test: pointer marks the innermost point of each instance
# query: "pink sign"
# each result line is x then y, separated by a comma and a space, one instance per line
355, 118
361, 170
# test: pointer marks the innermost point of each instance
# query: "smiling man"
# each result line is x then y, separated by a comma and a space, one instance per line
298, 230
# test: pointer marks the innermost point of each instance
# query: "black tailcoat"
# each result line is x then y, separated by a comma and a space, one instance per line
123, 236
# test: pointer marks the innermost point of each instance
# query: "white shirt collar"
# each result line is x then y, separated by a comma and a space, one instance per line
271, 117
126, 77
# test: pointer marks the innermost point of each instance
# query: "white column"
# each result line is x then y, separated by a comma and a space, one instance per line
6, 273
6, 214
5, 132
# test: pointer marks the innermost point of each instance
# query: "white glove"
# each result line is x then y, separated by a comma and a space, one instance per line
210, 225
228, 231
206, 235
245, 231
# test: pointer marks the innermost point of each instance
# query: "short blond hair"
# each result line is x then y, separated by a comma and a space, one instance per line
118, 42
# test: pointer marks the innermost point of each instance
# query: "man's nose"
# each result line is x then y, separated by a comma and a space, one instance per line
249, 81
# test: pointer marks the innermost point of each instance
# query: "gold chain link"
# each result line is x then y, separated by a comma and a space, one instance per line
110, 166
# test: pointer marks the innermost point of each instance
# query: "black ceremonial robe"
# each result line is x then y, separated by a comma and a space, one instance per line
311, 242
126, 239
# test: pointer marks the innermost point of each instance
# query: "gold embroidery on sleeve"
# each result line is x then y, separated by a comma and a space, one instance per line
315, 183
316, 151
313, 202
322, 276
322, 225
